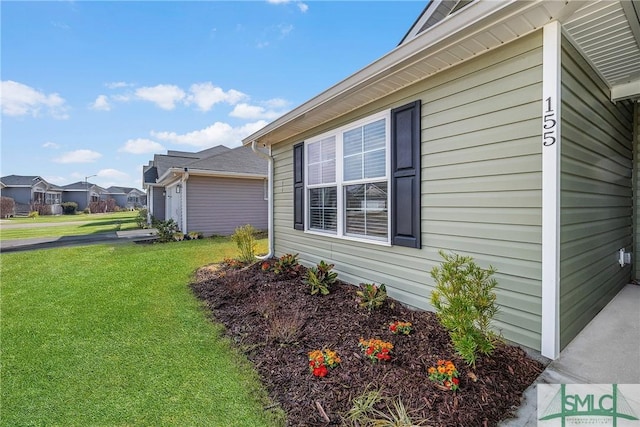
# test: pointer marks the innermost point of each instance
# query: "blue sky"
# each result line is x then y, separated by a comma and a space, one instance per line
96, 88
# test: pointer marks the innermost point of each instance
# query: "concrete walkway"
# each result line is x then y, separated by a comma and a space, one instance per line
88, 239
606, 351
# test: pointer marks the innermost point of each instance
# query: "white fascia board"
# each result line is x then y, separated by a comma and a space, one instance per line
220, 174
174, 173
551, 139
447, 31
629, 90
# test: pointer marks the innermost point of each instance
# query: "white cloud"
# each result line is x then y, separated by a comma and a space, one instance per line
19, 99
121, 98
101, 103
78, 156
217, 133
141, 146
117, 85
302, 6
113, 174
164, 96
253, 112
206, 95
276, 103
51, 145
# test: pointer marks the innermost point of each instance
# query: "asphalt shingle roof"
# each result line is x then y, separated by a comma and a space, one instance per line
237, 160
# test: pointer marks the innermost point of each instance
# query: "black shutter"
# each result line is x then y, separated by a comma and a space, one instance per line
298, 186
405, 175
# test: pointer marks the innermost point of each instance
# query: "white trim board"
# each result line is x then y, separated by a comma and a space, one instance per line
551, 140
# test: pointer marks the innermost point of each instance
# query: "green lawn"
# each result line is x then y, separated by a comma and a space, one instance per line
83, 224
110, 335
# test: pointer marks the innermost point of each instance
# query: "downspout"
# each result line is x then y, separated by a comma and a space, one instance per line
269, 158
183, 202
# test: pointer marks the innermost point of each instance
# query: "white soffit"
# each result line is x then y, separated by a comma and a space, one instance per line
608, 35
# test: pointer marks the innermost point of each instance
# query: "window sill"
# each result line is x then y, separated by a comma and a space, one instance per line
349, 238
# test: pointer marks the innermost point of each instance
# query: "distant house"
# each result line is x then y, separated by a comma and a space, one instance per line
30, 191
212, 191
504, 130
127, 197
83, 193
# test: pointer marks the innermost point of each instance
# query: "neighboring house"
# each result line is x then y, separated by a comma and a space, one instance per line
29, 191
212, 191
127, 197
156, 193
504, 130
83, 193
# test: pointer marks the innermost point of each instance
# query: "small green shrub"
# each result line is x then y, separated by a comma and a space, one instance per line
69, 208
86, 211
320, 278
34, 214
465, 304
371, 296
287, 265
178, 236
365, 412
194, 235
244, 238
166, 229
141, 219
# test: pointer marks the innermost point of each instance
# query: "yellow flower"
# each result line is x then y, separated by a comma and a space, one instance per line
441, 369
432, 370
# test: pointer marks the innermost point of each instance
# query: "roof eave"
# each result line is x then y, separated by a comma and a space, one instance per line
477, 17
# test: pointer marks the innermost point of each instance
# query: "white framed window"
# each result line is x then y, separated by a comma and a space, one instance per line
347, 181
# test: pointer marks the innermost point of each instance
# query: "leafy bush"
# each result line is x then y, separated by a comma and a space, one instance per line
34, 214
7, 207
320, 278
69, 208
371, 296
194, 235
244, 238
178, 236
41, 208
86, 211
141, 219
166, 229
287, 265
465, 304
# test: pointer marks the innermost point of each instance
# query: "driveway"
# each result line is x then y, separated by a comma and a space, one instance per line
90, 239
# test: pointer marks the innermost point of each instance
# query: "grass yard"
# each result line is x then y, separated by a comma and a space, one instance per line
112, 336
69, 225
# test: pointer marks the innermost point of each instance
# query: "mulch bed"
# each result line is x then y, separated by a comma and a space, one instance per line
276, 323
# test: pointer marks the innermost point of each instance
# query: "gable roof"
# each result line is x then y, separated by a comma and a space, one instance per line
27, 181
83, 186
219, 161
240, 160
434, 12
122, 190
477, 28
21, 180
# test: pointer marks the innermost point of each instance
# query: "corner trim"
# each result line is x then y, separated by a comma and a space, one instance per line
551, 140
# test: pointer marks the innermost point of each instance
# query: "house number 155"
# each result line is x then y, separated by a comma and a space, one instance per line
549, 123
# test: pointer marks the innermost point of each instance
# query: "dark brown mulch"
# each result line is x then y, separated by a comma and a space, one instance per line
276, 322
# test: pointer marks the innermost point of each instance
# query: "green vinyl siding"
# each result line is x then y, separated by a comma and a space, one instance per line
596, 194
481, 187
